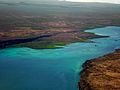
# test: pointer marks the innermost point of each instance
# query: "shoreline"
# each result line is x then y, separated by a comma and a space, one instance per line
24, 42
101, 73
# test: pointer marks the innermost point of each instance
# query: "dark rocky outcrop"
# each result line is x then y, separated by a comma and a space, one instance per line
7, 43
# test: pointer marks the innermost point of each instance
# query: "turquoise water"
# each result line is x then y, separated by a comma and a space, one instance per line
53, 69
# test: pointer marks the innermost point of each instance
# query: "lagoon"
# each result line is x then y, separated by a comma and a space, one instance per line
53, 69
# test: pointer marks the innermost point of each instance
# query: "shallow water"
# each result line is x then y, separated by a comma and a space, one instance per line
53, 69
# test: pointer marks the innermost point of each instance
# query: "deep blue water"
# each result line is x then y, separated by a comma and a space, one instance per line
53, 69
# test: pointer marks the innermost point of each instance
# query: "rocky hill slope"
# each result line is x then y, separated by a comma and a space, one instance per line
102, 73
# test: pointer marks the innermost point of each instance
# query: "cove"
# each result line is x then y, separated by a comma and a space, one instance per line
53, 69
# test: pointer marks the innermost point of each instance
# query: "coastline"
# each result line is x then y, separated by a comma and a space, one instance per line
54, 36
101, 73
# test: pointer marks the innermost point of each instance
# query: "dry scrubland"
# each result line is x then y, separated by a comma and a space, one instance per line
64, 22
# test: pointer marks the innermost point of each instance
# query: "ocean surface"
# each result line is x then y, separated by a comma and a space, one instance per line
53, 69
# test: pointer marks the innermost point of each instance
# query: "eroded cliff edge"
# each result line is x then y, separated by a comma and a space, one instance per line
102, 73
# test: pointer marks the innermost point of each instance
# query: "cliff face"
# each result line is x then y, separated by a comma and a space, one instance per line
102, 73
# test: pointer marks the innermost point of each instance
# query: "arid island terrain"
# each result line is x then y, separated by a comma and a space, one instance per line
46, 25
